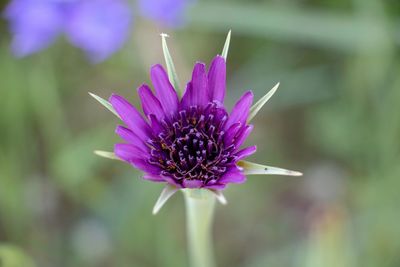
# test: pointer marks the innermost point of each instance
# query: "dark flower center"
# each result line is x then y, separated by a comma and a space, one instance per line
191, 145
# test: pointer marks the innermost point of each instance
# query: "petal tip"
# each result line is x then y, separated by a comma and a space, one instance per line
250, 93
199, 66
221, 59
163, 34
106, 154
296, 173
156, 67
113, 97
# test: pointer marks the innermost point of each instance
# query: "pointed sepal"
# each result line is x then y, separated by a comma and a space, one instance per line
172, 75
106, 154
225, 50
166, 193
105, 103
254, 168
219, 196
260, 103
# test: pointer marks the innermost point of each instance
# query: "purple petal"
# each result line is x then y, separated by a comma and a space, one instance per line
196, 93
150, 103
131, 137
242, 135
215, 186
131, 117
245, 152
164, 90
232, 176
217, 79
34, 25
186, 101
155, 124
240, 111
192, 183
153, 178
171, 181
127, 152
99, 27
199, 96
231, 132
146, 167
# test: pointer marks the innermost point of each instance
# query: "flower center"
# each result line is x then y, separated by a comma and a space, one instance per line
191, 145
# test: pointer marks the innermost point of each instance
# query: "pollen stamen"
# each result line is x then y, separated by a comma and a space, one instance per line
193, 144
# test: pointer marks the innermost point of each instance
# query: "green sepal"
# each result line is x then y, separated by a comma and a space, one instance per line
106, 154
260, 103
225, 50
254, 168
166, 193
105, 103
172, 75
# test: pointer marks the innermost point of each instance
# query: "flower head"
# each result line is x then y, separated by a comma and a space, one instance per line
191, 142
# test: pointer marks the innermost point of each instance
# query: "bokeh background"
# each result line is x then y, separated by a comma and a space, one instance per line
335, 117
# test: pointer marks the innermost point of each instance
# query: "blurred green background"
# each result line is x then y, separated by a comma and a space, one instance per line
336, 117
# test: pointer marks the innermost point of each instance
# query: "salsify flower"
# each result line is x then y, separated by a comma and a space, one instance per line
192, 141
189, 143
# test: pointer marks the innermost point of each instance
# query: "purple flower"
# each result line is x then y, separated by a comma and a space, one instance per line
167, 12
99, 27
191, 142
35, 24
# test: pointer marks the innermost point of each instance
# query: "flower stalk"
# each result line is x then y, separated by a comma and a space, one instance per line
200, 205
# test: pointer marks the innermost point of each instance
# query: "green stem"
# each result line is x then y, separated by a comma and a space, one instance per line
199, 215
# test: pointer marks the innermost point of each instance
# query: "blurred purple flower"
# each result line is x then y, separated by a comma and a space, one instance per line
35, 24
99, 27
168, 12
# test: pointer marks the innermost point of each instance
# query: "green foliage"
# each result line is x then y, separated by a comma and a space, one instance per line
11, 256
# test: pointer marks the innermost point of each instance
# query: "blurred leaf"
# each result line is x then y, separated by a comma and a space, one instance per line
301, 85
311, 27
75, 162
12, 256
